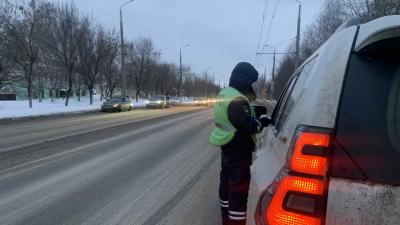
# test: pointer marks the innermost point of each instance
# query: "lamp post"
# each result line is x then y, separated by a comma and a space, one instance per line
273, 63
180, 69
273, 70
297, 62
206, 73
123, 74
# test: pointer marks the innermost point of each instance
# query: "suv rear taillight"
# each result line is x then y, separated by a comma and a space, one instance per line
298, 195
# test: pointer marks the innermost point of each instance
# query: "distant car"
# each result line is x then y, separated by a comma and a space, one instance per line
117, 104
157, 101
201, 102
175, 101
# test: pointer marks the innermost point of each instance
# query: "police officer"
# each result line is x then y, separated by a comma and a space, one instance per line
234, 132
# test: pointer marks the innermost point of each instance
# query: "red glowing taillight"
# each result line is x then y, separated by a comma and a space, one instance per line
309, 154
282, 211
300, 197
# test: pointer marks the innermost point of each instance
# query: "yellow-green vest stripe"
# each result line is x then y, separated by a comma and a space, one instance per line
224, 131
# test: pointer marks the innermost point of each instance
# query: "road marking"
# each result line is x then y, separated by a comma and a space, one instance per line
146, 117
27, 164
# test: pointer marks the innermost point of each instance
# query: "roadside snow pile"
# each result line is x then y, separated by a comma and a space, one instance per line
15, 109
10, 109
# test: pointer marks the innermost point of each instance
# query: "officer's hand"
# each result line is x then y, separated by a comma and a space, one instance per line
265, 121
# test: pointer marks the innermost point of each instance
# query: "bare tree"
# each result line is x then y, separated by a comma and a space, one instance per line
368, 10
109, 67
139, 62
23, 43
6, 63
92, 54
63, 34
332, 16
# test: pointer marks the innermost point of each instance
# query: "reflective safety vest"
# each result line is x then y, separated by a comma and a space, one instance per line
224, 131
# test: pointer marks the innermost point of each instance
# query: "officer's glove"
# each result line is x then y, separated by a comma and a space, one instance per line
260, 127
265, 121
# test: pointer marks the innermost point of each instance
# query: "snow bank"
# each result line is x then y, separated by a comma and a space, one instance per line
14, 109
10, 109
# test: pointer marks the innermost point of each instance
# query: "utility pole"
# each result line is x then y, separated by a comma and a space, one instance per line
297, 62
273, 64
273, 76
180, 69
123, 73
206, 85
206, 73
213, 84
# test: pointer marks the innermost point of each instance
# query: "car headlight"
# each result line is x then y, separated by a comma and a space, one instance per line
115, 105
158, 102
147, 102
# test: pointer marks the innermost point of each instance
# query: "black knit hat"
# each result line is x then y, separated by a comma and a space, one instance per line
243, 76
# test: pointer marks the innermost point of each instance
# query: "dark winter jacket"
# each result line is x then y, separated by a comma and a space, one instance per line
239, 113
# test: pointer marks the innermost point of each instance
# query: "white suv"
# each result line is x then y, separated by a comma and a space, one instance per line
332, 155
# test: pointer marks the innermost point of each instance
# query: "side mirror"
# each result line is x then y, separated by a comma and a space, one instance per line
259, 111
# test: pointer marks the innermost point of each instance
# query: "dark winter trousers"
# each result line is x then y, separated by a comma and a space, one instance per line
234, 187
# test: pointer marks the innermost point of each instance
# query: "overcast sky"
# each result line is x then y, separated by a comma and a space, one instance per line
221, 32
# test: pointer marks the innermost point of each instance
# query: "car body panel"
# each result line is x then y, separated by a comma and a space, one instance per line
352, 203
157, 102
374, 27
108, 106
321, 93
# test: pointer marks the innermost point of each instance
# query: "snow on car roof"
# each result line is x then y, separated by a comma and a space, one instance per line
374, 27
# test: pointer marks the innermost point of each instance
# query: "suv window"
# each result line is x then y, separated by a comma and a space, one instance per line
368, 126
297, 91
292, 94
281, 105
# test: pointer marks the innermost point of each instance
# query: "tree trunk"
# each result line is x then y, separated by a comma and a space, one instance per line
52, 93
40, 96
101, 92
40, 92
91, 96
79, 91
69, 91
30, 92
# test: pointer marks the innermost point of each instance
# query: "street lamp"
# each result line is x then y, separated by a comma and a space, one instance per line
123, 74
273, 70
273, 63
297, 62
206, 73
180, 69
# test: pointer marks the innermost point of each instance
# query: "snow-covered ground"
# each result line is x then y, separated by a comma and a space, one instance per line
13, 109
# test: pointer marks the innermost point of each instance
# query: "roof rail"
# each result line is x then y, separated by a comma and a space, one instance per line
353, 21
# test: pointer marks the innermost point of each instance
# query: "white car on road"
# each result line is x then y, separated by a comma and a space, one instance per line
332, 155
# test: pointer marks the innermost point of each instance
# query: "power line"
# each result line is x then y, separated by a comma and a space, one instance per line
265, 11
262, 24
274, 11
272, 21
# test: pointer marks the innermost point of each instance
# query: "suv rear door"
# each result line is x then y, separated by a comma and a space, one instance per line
365, 172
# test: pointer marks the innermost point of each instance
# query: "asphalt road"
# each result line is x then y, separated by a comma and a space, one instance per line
128, 168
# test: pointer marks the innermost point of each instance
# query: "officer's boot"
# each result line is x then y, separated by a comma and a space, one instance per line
225, 217
237, 222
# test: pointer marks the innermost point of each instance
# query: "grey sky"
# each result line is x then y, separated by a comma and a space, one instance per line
221, 32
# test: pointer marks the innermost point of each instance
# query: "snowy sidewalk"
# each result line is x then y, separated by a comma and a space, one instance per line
16, 109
